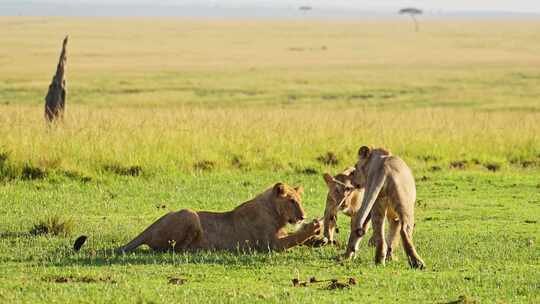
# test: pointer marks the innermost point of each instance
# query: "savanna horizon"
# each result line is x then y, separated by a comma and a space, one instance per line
279, 95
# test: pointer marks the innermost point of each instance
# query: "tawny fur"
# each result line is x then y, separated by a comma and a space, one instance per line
391, 193
342, 197
258, 224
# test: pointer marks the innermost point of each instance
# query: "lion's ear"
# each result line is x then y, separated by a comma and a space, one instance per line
299, 190
329, 179
364, 152
279, 189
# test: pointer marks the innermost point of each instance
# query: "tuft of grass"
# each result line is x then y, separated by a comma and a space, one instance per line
525, 163
7, 172
329, 159
493, 167
435, 168
78, 279
204, 165
3, 158
30, 172
307, 171
238, 162
429, 158
459, 164
463, 299
124, 170
53, 225
77, 176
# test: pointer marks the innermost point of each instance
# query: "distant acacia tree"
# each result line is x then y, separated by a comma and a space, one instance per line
305, 8
411, 11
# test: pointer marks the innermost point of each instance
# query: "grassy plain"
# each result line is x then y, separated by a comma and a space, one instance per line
165, 114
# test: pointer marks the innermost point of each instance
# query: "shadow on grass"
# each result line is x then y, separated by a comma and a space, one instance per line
61, 253
14, 234
107, 257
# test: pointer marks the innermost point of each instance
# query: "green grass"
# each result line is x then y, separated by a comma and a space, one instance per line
477, 231
206, 114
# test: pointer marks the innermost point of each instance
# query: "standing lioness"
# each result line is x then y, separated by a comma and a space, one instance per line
390, 192
258, 224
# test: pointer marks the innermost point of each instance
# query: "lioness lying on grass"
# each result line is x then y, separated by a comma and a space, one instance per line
258, 224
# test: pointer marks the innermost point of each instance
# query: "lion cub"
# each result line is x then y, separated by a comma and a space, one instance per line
258, 224
391, 193
342, 197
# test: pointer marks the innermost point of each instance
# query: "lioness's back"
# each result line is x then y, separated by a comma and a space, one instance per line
401, 173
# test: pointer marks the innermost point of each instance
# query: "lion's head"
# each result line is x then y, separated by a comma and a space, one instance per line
340, 189
288, 203
365, 154
341, 197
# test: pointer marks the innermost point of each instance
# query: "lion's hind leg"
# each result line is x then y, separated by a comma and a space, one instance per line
175, 230
178, 232
144, 237
415, 261
392, 237
190, 232
377, 217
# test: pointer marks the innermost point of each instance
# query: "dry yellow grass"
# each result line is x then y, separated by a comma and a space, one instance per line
166, 93
260, 139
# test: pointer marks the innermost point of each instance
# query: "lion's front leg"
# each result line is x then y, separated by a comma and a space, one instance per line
330, 220
355, 237
303, 234
352, 245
